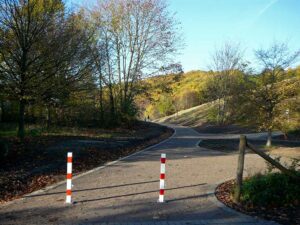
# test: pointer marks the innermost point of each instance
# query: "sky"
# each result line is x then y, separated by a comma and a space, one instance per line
254, 24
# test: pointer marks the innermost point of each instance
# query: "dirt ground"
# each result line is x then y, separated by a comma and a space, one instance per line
282, 148
286, 152
41, 161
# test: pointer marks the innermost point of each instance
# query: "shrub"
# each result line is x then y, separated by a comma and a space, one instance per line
271, 190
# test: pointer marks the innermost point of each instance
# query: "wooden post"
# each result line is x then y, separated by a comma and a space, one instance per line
240, 169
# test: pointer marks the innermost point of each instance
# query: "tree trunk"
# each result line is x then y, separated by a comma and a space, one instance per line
48, 117
2, 112
269, 139
101, 95
112, 103
21, 130
101, 105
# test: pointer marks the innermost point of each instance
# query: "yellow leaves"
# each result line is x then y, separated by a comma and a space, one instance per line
38, 8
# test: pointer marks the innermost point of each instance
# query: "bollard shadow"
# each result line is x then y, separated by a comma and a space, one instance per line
191, 197
145, 192
93, 189
124, 213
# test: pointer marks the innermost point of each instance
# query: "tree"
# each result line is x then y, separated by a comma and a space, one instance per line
226, 65
137, 38
269, 93
173, 68
39, 43
165, 105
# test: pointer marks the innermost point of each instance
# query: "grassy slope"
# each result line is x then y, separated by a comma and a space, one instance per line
193, 117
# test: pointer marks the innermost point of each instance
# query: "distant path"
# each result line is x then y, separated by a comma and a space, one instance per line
126, 192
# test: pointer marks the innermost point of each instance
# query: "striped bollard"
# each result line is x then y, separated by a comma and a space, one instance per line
69, 178
162, 178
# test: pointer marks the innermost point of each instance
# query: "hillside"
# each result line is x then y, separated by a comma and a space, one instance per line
192, 117
167, 94
198, 117
201, 117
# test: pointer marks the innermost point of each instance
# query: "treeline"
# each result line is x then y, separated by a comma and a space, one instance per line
264, 96
59, 66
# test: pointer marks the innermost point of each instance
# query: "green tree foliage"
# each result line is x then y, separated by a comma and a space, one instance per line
166, 94
269, 96
40, 47
81, 67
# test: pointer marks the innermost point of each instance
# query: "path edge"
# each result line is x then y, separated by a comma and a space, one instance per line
228, 209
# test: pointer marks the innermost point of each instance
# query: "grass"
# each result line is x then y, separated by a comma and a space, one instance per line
190, 117
9, 130
271, 190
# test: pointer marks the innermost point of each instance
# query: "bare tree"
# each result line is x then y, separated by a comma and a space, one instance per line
227, 61
139, 37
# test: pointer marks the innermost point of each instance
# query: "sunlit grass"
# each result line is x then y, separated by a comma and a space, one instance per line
10, 130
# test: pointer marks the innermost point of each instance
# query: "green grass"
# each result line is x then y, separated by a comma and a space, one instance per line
9, 133
271, 190
11, 130
8, 129
57, 131
192, 117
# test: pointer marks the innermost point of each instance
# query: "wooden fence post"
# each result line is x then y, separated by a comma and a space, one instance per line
240, 168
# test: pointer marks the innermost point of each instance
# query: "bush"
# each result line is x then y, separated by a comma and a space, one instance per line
271, 190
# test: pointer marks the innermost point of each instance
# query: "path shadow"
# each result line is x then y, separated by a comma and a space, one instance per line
141, 193
93, 189
191, 197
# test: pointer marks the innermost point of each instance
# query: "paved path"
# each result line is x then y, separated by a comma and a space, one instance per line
126, 192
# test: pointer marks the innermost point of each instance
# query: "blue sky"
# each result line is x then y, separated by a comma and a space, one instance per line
254, 24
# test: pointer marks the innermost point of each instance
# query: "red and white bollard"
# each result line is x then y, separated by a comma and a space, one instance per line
69, 178
162, 178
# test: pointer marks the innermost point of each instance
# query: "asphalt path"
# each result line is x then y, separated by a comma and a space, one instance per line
126, 191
